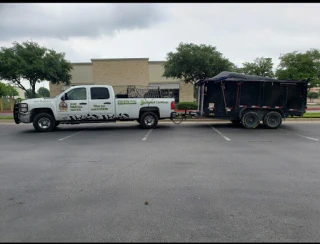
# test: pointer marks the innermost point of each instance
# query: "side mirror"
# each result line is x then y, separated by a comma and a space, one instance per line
63, 97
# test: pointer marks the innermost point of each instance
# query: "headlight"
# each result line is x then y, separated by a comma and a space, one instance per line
23, 107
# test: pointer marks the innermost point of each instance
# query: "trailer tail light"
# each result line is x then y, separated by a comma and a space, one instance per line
173, 105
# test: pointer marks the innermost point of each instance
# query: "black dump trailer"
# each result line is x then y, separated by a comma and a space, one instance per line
249, 99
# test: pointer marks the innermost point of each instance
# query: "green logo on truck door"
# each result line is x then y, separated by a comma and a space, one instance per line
143, 102
125, 102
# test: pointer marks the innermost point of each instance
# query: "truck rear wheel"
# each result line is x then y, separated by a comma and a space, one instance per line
250, 120
44, 122
149, 120
272, 120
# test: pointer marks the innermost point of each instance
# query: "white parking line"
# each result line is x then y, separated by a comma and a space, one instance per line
146, 136
310, 138
4, 134
226, 138
61, 139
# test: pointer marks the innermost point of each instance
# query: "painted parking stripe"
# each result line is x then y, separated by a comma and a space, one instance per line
146, 136
226, 138
4, 134
61, 139
310, 138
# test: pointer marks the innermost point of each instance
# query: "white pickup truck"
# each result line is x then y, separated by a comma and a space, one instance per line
91, 104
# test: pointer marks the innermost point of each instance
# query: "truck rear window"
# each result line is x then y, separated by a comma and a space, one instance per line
99, 93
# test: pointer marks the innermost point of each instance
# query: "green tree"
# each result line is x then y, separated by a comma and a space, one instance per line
43, 92
28, 94
34, 63
11, 91
312, 95
299, 66
260, 66
3, 89
192, 62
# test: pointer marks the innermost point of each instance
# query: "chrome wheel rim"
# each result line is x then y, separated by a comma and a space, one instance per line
251, 120
273, 120
44, 123
149, 120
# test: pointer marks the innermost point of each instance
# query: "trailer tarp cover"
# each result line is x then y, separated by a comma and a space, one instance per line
233, 76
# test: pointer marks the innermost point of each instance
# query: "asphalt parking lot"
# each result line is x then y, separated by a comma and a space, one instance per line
202, 181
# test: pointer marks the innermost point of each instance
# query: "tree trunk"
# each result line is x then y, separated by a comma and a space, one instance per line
33, 87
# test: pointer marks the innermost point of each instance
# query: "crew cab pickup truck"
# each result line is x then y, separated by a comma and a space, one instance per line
91, 104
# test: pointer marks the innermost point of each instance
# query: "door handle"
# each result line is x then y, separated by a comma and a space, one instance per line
107, 103
83, 103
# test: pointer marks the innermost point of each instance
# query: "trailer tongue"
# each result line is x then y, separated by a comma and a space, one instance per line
248, 99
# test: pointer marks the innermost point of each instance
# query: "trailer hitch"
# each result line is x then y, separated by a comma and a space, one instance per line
177, 118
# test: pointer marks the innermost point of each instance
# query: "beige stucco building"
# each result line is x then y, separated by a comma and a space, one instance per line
122, 72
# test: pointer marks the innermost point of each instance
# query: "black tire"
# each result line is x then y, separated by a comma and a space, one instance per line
272, 120
236, 121
138, 121
250, 120
44, 122
57, 123
149, 120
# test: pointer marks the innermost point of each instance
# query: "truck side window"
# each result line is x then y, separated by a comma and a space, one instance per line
99, 93
77, 94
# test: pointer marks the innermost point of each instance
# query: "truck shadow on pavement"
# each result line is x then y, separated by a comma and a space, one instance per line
104, 127
234, 126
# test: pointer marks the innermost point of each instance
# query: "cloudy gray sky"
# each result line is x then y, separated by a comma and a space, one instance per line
241, 31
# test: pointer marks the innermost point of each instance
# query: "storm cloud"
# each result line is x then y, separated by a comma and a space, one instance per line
75, 20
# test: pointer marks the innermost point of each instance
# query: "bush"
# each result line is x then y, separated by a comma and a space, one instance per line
189, 105
312, 95
19, 100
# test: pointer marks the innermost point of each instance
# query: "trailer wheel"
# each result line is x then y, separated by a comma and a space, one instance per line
44, 122
57, 123
149, 120
236, 121
250, 120
272, 120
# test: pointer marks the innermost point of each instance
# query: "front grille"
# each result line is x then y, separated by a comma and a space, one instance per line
16, 113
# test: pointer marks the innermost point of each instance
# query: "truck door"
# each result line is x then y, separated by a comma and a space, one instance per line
75, 104
101, 105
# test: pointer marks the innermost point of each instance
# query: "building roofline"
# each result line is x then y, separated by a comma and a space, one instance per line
84, 63
115, 59
157, 61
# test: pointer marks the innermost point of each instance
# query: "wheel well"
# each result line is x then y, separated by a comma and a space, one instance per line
149, 109
261, 111
36, 111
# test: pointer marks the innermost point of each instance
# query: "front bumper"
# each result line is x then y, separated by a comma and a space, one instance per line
24, 117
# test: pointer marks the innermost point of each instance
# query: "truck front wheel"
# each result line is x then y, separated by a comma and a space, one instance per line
44, 122
250, 120
149, 120
272, 120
